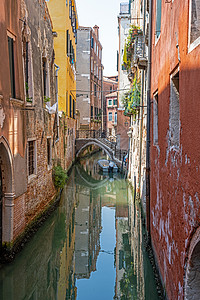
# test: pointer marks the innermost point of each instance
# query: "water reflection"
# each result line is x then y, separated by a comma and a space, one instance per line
90, 248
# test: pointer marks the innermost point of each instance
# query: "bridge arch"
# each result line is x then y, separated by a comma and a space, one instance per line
87, 144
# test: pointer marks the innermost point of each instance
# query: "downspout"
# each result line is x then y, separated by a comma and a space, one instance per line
57, 69
148, 203
142, 101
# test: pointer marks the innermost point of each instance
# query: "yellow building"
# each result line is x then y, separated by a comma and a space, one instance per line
65, 24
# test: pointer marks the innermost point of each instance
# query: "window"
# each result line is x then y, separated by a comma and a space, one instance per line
44, 72
31, 157
49, 157
67, 42
174, 110
194, 20
92, 42
70, 9
158, 17
111, 89
95, 90
67, 103
115, 117
155, 119
11, 65
70, 106
96, 112
110, 116
74, 108
91, 111
115, 102
117, 61
66, 2
28, 74
110, 102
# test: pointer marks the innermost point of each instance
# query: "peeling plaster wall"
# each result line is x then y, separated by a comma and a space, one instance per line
175, 174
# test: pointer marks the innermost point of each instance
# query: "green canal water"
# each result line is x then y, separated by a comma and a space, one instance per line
91, 247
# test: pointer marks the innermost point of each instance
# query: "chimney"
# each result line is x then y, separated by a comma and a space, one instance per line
96, 30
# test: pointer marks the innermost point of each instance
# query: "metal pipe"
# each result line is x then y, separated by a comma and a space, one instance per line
148, 204
142, 102
57, 69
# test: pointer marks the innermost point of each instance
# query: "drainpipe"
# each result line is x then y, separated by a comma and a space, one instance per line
57, 69
142, 101
148, 203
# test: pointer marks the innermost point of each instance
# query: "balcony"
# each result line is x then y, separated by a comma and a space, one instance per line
134, 51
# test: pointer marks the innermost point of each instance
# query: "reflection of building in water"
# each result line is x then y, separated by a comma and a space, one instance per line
136, 240
122, 229
88, 227
45, 268
66, 282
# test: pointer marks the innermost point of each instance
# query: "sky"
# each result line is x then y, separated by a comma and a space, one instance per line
104, 14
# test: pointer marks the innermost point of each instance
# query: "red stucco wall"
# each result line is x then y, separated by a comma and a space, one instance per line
175, 174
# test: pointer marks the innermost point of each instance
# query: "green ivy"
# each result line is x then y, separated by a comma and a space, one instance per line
59, 176
131, 99
134, 31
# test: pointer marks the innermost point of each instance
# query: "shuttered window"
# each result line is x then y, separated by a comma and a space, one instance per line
70, 106
11, 65
67, 42
158, 17
74, 106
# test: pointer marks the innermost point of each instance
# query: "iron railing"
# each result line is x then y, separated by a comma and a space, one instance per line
104, 138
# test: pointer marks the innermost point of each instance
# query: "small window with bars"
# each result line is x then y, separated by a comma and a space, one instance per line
31, 158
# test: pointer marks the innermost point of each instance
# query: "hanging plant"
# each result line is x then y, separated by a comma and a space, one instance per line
134, 32
131, 99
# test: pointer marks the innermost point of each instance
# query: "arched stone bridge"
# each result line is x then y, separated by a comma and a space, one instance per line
85, 138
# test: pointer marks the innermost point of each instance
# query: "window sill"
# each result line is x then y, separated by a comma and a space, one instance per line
194, 45
17, 101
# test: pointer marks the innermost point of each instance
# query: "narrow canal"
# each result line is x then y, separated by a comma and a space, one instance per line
91, 247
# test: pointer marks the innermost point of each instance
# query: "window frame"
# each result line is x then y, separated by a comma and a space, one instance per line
155, 118
173, 143
110, 114
11, 59
115, 117
110, 103
157, 36
34, 174
49, 153
195, 43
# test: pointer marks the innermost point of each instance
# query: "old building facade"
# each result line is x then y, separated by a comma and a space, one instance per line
31, 141
174, 205
111, 113
39, 80
65, 24
89, 78
135, 101
13, 170
123, 81
110, 85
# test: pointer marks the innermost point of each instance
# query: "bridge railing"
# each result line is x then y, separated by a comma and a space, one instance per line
86, 134
105, 138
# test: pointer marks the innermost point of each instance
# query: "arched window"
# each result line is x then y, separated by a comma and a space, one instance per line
192, 279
